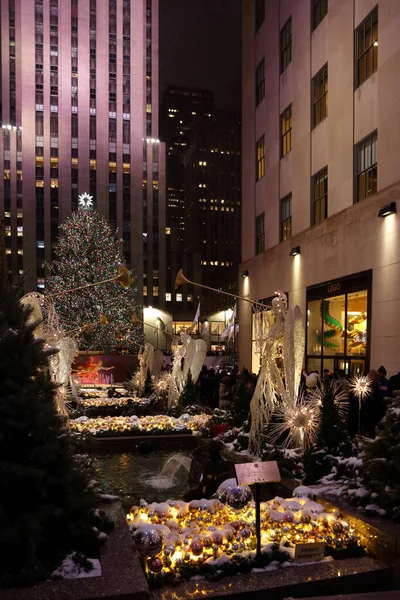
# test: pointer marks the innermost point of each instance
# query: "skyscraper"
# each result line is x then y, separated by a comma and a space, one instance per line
181, 110
213, 207
79, 112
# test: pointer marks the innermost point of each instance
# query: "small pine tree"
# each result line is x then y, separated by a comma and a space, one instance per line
332, 441
148, 389
44, 508
381, 460
89, 251
188, 395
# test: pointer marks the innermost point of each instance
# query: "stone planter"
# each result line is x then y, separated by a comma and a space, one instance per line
122, 576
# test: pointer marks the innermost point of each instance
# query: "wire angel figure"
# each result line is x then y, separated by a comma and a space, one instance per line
277, 384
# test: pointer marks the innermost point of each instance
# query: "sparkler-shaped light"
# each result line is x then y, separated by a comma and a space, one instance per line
300, 420
361, 385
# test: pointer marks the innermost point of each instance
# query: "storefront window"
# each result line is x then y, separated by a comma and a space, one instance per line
333, 314
314, 326
357, 323
337, 325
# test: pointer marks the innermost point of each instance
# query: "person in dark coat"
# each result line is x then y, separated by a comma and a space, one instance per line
394, 384
372, 407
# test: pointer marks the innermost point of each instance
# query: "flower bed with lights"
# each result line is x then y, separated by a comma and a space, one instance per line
104, 406
132, 426
213, 538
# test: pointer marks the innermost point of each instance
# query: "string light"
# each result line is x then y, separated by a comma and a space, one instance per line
103, 426
88, 251
204, 533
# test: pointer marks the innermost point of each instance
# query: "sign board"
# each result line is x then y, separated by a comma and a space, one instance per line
257, 472
309, 552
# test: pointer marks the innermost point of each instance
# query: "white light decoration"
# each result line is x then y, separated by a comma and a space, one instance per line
85, 200
361, 385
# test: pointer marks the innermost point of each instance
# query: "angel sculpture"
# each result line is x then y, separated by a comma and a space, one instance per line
188, 356
44, 313
276, 383
145, 357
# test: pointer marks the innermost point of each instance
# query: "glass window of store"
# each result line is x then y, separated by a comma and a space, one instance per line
338, 325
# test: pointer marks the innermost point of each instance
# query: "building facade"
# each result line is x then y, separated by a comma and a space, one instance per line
79, 113
316, 174
181, 110
203, 209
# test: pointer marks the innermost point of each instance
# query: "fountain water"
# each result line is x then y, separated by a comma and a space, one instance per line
167, 477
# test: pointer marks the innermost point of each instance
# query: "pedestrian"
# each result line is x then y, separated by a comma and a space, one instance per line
394, 384
383, 382
372, 407
224, 393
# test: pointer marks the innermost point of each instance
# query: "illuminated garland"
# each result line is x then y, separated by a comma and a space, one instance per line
150, 425
180, 540
88, 251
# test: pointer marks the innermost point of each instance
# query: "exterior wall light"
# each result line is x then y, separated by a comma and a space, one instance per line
245, 274
295, 251
388, 209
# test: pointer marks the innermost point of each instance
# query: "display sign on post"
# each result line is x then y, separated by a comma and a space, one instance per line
309, 552
254, 474
257, 472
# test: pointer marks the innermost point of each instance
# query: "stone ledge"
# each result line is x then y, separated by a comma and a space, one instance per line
122, 576
128, 443
339, 576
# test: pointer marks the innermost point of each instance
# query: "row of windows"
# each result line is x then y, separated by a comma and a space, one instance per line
366, 45
319, 9
366, 172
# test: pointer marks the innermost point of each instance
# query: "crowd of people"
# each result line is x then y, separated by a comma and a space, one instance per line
216, 389
364, 411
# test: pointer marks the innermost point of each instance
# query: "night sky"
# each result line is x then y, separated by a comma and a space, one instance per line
200, 47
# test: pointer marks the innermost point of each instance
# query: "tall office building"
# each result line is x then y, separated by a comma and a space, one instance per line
321, 179
213, 207
79, 113
181, 110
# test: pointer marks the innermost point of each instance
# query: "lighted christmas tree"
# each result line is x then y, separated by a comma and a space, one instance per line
89, 251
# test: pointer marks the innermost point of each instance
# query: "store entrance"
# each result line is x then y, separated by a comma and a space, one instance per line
338, 325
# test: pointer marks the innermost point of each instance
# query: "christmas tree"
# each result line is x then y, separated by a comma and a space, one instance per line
89, 251
333, 440
381, 460
188, 395
44, 505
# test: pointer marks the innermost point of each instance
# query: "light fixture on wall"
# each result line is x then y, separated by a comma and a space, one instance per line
295, 251
245, 274
388, 209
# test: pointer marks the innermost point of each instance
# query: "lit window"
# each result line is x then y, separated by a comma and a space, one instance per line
260, 158
286, 218
367, 47
286, 131
168, 297
168, 231
179, 297
190, 298
155, 290
320, 196
367, 167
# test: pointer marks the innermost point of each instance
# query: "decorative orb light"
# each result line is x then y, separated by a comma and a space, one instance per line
236, 496
155, 564
148, 541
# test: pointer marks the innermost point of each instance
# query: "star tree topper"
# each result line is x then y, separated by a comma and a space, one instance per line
85, 200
